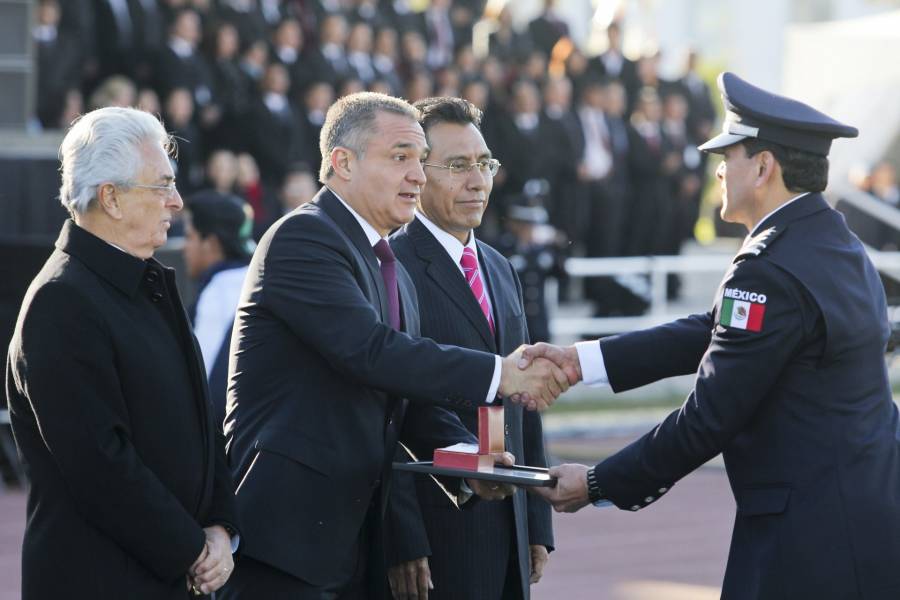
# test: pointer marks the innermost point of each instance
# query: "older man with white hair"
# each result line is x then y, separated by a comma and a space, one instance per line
130, 495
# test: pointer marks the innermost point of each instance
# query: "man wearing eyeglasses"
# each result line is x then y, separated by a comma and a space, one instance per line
130, 494
328, 370
469, 296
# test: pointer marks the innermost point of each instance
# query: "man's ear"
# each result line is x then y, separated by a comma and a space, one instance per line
108, 200
766, 166
343, 163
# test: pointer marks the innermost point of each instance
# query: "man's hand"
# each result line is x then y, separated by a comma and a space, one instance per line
565, 357
539, 558
491, 490
571, 491
213, 569
536, 387
411, 580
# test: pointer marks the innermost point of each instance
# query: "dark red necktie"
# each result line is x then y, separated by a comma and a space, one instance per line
389, 274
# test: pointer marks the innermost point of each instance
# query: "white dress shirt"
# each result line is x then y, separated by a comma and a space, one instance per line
455, 249
374, 238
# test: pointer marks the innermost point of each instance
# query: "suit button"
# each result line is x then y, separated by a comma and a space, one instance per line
156, 296
663, 490
151, 276
376, 483
636, 507
649, 499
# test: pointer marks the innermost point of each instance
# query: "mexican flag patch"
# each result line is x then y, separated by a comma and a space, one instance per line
742, 310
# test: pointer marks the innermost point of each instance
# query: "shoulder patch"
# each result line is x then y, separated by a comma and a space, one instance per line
742, 309
757, 244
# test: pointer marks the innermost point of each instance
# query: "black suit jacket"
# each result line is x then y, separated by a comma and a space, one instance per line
275, 140
317, 379
801, 411
470, 548
107, 398
59, 70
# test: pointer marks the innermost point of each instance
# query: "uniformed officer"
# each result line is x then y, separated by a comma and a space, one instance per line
791, 383
530, 245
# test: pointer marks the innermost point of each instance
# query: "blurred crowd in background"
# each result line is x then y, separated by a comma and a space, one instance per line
601, 146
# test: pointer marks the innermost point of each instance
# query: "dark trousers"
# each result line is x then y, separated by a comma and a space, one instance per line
361, 578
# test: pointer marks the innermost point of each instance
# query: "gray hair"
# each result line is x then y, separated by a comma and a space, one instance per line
350, 123
103, 146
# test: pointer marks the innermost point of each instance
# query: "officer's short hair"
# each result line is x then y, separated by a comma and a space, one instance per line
350, 123
801, 171
447, 109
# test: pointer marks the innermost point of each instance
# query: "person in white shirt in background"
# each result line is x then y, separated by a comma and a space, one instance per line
217, 249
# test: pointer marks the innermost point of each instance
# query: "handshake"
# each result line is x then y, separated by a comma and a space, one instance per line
534, 376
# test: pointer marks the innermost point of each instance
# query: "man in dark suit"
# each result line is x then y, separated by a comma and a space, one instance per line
180, 64
323, 363
519, 142
613, 64
59, 63
791, 382
493, 549
130, 493
547, 28
273, 130
115, 26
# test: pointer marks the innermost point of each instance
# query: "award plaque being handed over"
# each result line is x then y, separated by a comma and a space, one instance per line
476, 462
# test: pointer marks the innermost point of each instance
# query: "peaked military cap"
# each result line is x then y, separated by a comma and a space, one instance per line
752, 112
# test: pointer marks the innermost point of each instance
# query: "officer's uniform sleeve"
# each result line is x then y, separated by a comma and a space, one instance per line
735, 377
641, 357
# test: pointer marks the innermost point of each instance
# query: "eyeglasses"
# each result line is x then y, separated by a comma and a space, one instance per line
458, 167
167, 189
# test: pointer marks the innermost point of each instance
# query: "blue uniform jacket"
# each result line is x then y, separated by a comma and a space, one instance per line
792, 389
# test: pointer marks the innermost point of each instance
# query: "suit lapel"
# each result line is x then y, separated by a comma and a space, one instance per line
499, 285
449, 278
409, 311
351, 228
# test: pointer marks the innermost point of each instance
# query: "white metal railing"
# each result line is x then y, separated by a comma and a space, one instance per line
873, 207
656, 269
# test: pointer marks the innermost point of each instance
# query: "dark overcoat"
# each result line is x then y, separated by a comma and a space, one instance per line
108, 404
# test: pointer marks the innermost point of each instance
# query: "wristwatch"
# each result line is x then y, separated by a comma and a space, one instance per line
595, 494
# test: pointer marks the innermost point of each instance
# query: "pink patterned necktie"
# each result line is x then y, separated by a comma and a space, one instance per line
469, 264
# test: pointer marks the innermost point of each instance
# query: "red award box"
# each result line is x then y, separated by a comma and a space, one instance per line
463, 456
490, 430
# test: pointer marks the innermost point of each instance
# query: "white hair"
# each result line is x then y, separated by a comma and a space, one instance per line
104, 146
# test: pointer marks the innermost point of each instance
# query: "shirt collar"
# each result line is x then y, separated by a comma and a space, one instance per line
367, 228
107, 260
452, 245
763, 220
181, 47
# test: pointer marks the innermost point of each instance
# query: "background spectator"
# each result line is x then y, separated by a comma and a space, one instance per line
255, 77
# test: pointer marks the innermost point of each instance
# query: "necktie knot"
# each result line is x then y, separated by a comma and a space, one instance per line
468, 261
383, 251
